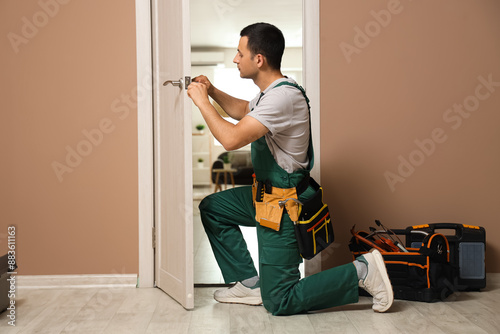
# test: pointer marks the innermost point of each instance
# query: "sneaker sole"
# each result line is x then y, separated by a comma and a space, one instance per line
379, 261
246, 301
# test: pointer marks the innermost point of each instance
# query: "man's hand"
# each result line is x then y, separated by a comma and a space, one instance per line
229, 135
204, 80
198, 93
234, 107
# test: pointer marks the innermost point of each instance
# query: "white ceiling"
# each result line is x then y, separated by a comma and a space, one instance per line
217, 23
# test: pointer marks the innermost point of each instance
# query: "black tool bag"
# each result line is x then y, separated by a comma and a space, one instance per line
314, 230
467, 251
418, 274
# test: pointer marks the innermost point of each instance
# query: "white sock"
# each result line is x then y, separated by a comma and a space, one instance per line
361, 269
252, 282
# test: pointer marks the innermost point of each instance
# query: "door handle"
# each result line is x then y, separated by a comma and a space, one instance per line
179, 82
174, 83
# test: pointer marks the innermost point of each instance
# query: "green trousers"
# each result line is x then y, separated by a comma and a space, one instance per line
282, 290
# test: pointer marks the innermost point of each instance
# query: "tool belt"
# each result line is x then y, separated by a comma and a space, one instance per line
311, 218
270, 203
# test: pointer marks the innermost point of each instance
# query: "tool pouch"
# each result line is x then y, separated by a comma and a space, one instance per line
313, 229
268, 211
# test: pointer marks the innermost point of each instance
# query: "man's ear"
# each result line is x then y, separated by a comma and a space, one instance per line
260, 59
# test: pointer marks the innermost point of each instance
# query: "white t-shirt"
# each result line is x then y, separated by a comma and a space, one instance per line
283, 111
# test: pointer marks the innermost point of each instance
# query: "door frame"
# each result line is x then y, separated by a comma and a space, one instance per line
311, 75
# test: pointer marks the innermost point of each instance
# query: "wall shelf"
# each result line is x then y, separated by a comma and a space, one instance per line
201, 149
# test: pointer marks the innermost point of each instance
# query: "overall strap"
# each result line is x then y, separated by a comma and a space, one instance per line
287, 83
310, 152
265, 166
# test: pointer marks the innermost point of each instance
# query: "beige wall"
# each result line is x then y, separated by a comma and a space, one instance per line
76, 70
382, 93
67, 68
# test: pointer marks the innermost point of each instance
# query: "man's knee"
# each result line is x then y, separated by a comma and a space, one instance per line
272, 300
208, 203
277, 281
207, 212
204, 204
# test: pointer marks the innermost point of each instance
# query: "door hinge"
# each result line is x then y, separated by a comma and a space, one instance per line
154, 237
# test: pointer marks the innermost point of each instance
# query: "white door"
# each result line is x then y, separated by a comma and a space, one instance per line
172, 141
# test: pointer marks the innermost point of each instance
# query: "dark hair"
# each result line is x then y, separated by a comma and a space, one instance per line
265, 39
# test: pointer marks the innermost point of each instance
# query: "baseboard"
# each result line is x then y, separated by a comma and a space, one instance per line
76, 281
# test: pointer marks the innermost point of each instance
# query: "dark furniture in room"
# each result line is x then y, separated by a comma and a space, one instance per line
240, 161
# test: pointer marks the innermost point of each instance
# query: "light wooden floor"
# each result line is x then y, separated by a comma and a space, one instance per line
130, 310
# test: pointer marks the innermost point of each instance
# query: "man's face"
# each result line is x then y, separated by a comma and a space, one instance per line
247, 64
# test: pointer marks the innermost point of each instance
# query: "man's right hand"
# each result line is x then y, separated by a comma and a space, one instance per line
234, 107
204, 80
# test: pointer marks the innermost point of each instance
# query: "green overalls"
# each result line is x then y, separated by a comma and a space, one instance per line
282, 290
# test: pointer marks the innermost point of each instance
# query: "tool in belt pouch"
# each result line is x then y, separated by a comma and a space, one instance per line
311, 218
268, 211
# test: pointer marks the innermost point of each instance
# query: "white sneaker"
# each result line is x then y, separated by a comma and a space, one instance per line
239, 294
377, 282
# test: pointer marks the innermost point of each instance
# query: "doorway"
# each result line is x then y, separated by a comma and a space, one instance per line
147, 180
215, 27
